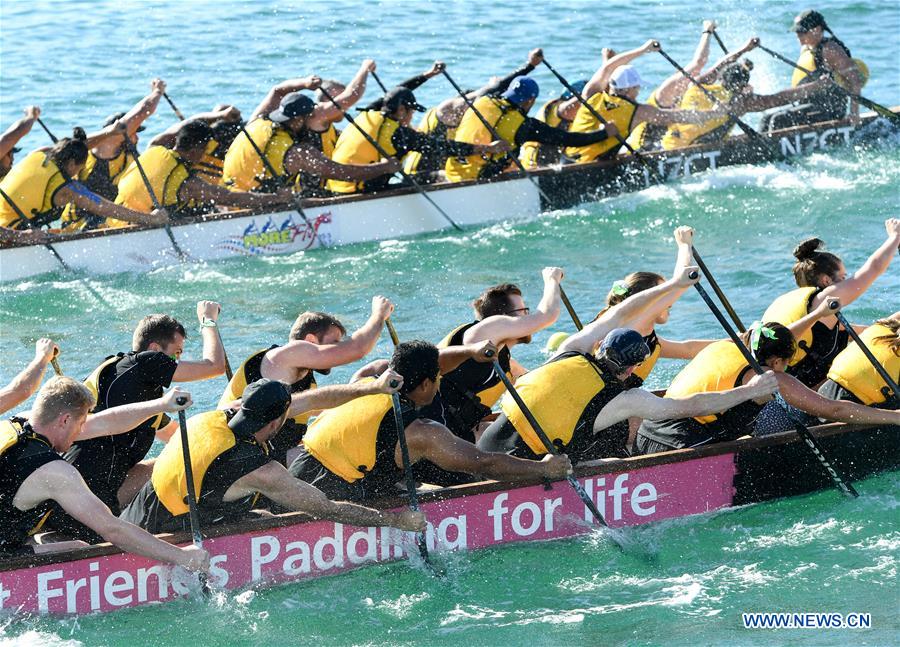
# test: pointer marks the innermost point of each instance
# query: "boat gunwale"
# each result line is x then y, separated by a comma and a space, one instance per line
590, 468
569, 169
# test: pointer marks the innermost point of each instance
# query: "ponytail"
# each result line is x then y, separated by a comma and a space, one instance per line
70, 149
812, 264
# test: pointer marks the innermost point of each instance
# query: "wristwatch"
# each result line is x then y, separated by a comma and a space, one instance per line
208, 323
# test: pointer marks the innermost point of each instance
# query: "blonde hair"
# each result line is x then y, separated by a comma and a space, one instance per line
58, 396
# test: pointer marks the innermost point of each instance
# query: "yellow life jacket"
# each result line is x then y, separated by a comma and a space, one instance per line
718, 367
530, 152
243, 169
249, 371
646, 135
853, 371
353, 148
166, 171
506, 119
678, 135
788, 308
11, 433
344, 439
812, 61
643, 371
617, 110
31, 185
327, 140
208, 437
116, 167
557, 393
429, 125
210, 168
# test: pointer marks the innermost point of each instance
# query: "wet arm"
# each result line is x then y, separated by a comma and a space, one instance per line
313, 161
685, 349
88, 201
14, 133
537, 131
24, 384
798, 395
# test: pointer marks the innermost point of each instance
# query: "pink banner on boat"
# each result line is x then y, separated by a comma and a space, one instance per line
312, 549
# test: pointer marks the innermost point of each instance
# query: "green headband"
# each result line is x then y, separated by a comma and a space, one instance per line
620, 289
757, 329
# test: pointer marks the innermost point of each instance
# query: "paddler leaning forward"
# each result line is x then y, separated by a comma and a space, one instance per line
722, 365
179, 185
37, 189
508, 114
352, 452
33, 474
232, 466
390, 128
316, 344
612, 92
583, 400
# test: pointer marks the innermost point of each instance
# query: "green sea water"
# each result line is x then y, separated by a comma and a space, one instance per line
813, 553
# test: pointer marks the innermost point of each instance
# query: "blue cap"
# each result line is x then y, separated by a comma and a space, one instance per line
624, 347
521, 89
295, 104
578, 85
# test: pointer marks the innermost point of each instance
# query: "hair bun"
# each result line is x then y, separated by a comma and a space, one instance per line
78, 133
807, 248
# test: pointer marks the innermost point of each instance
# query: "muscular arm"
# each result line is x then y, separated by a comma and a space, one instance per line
661, 117
600, 81
17, 131
684, 349
334, 395
670, 90
499, 328
276, 483
311, 160
877, 264
91, 202
758, 102
277, 93
304, 354
433, 441
797, 394
126, 417
326, 112
196, 189
26, 382
62, 483
534, 130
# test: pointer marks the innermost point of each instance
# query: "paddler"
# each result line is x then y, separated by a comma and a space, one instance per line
11, 137
279, 128
583, 399
612, 92
821, 276
29, 379
115, 468
389, 127
315, 344
821, 56
443, 119
721, 365
853, 377
38, 188
732, 89
508, 114
352, 452
225, 122
180, 187
233, 467
34, 477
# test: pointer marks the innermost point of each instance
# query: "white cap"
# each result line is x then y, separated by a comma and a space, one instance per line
625, 77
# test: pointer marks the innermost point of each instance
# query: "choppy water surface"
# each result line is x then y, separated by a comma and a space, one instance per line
813, 553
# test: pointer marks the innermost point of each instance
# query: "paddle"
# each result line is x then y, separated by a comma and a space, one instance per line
411, 493
177, 112
652, 170
47, 130
715, 286
869, 356
406, 176
495, 135
549, 446
55, 363
565, 299
715, 35
280, 179
842, 484
132, 150
884, 111
193, 510
378, 81
764, 143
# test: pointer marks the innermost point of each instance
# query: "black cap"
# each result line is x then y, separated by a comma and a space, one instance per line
114, 118
807, 21
262, 402
295, 104
624, 347
401, 96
